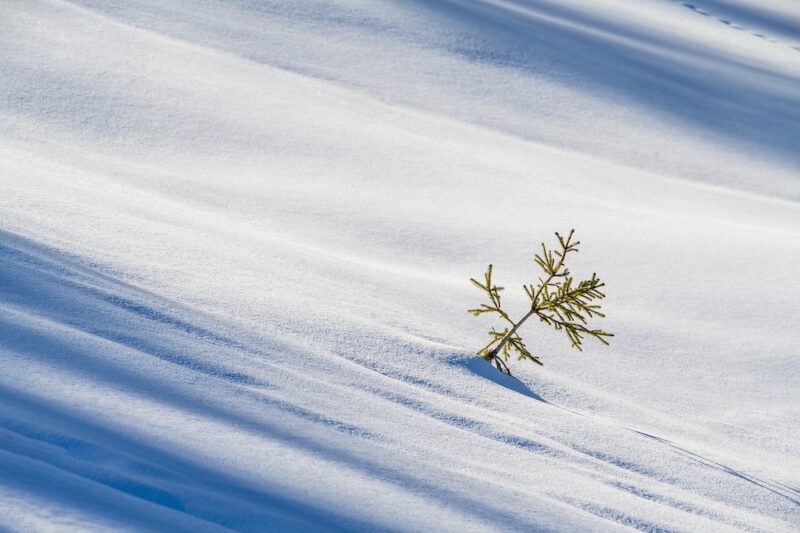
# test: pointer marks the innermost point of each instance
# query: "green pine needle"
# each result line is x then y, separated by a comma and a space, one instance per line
555, 299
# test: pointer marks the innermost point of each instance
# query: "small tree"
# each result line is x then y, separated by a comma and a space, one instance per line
556, 300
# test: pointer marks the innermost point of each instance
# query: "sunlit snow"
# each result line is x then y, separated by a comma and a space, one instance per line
236, 238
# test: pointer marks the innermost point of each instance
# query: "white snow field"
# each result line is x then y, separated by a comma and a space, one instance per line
236, 238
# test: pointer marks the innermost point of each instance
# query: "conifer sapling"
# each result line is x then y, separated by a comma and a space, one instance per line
556, 300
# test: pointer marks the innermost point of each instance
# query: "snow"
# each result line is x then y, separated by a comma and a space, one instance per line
236, 237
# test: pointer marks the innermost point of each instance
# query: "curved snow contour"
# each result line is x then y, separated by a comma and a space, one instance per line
236, 239
147, 414
648, 84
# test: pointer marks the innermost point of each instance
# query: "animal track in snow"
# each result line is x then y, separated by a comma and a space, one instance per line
734, 25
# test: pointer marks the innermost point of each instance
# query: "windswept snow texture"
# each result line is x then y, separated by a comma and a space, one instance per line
235, 239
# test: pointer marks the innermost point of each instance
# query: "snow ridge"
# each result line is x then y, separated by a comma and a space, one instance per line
235, 239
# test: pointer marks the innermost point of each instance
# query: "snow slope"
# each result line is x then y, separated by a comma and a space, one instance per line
235, 239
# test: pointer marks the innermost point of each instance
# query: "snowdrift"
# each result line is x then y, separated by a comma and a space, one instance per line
235, 239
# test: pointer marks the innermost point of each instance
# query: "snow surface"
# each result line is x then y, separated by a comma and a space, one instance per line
235, 238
